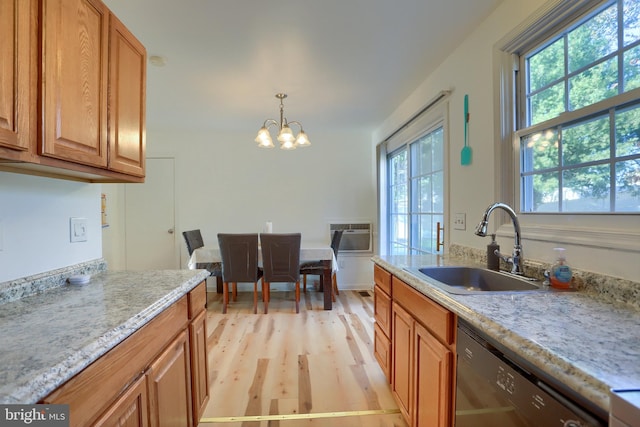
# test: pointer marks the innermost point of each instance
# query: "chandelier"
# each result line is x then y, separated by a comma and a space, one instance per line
285, 135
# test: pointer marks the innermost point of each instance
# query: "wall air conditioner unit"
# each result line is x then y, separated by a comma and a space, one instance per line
356, 237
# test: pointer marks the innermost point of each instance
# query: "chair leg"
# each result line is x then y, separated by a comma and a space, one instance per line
265, 296
304, 283
225, 297
235, 291
298, 296
334, 283
255, 297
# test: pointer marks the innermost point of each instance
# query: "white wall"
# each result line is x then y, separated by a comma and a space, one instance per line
34, 224
225, 183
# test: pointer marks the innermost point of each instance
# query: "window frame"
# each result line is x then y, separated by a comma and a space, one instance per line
412, 215
570, 117
609, 230
434, 115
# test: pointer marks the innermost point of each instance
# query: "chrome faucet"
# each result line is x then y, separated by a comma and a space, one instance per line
516, 258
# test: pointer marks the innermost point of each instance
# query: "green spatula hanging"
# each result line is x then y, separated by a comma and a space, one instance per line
465, 155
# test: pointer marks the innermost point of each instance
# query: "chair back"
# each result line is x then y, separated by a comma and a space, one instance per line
335, 241
239, 253
193, 238
281, 257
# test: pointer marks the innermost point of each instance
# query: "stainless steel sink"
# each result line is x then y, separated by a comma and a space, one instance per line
470, 280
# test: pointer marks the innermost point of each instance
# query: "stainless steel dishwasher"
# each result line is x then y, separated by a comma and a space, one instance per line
495, 388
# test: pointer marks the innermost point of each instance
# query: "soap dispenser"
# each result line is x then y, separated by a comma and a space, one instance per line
560, 272
493, 261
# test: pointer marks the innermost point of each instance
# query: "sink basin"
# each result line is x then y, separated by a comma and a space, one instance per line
470, 280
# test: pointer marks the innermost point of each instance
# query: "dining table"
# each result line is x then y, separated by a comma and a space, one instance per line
308, 252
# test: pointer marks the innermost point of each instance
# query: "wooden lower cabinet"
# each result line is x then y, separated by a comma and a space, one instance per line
130, 410
434, 380
199, 365
170, 386
422, 355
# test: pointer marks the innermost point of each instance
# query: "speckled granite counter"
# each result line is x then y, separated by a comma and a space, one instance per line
49, 337
588, 344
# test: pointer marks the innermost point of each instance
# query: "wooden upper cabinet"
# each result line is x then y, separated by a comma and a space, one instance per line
72, 92
17, 76
75, 43
127, 91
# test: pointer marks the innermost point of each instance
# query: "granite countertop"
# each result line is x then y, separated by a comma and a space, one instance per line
49, 337
588, 344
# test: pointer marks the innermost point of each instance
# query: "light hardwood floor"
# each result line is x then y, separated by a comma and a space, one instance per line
282, 363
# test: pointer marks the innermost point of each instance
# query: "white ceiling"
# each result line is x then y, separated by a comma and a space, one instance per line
343, 63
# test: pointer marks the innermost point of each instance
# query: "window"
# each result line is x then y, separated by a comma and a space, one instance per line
579, 127
416, 194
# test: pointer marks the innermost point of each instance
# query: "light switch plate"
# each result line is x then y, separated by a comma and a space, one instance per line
78, 229
459, 221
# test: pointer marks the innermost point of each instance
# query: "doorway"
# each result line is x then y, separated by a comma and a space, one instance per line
150, 238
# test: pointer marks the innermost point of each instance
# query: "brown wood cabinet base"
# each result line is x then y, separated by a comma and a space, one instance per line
415, 347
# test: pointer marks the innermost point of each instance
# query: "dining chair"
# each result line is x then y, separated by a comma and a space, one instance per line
193, 239
280, 262
316, 267
239, 254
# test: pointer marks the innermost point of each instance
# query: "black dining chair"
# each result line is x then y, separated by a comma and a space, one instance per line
239, 253
280, 263
317, 268
193, 239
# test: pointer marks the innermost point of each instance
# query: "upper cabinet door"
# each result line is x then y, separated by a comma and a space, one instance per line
74, 80
17, 34
127, 91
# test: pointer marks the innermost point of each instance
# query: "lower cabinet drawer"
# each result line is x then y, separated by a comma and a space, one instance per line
382, 351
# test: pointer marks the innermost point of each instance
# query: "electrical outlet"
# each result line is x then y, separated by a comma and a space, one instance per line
460, 221
78, 229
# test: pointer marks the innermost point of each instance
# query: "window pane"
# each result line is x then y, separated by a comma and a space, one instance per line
421, 156
587, 189
540, 150
438, 192
631, 64
546, 66
628, 186
631, 14
545, 193
547, 104
437, 145
586, 142
593, 85
422, 233
628, 132
398, 234
398, 168
593, 40
399, 199
421, 194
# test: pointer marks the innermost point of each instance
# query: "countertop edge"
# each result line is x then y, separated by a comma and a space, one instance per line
38, 388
